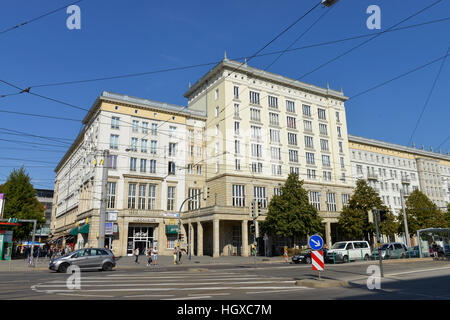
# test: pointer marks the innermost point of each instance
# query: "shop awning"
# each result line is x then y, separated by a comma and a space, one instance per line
74, 231
172, 229
85, 228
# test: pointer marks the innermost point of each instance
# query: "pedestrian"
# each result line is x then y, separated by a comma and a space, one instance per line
155, 255
136, 253
179, 256
149, 256
175, 256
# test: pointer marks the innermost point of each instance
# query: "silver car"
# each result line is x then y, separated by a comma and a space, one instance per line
394, 250
92, 258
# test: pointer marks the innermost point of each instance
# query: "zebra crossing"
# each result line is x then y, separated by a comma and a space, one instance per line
179, 285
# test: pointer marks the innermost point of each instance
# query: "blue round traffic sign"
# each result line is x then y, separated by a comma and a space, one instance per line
316, 242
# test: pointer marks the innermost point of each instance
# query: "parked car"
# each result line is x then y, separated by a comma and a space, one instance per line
305, 256
394, 250
345, 251
92, 258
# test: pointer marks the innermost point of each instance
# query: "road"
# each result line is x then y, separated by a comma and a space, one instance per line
403, 280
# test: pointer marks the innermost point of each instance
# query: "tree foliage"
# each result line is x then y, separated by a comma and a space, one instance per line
21, 203
291, 214
354, 223
422, 213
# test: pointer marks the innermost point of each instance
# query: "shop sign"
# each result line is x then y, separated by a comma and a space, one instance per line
108, 228
112, 215
144, 220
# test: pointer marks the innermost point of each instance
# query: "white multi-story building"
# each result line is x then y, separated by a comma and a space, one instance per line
146, 179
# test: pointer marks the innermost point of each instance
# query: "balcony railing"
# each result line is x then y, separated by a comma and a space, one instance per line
372, 176
406, 180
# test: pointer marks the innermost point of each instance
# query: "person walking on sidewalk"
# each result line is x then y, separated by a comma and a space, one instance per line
149, 256
155, 255
175, 256
136, 254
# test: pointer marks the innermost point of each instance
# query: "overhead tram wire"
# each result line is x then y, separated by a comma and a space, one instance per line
320, 44
367, 41
399, 76
428, 97
37, 18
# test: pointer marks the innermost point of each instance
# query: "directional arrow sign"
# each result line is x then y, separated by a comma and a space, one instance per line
316, 242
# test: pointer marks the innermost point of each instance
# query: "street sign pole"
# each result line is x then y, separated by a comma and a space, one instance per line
102, 212
375, 217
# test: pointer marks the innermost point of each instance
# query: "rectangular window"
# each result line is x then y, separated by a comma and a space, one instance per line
307, 125
237, 164
154, 129
254, 97
151, 196
327, 176
152, 168
291, 123
309, 142
276, 153
236, 128
172, 149
323, 129
170, 198
145, 127
144, 145
341, 148
295, 170
114, 142
260, 196
273, 102
322, 114
236, 110
311, 174
257, 167
115, 122
345, 199
306, 110
238, 195
236, 92
324, 145
237, 147
256, 150
153, 146
111, 196
141, 198
194, 203
337, 117
290, 106
342, 163
133, 162
339, 132
255, 114
310, 158
112, 164
143, 165
331, 202
326, 161
255, 132
132, 196
276, 170
171, 167
274, 119
199, 169
135, 126
134, 144
315, 199
292, 138
293, 155
274, 136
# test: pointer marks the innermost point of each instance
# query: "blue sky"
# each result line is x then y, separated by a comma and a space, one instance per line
118, 37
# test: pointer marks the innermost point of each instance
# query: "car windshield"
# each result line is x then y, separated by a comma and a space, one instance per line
384, 246
339, 245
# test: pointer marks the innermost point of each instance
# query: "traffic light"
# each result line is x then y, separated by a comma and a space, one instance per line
383, 215
206, 193
256, 230
258, 212
252, 228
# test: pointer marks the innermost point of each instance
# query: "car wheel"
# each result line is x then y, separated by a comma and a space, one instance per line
63, 267
107, 266
366, 257
308, 260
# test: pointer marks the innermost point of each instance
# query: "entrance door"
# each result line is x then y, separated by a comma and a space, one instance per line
142, 245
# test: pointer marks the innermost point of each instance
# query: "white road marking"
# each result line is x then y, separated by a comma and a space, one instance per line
190, 298
150, 295
210, 294
173, 289
286, 290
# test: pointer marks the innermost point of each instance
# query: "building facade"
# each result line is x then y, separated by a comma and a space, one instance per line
259, 128
146, 175
45, 196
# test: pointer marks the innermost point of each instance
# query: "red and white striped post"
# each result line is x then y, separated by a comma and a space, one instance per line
317, 260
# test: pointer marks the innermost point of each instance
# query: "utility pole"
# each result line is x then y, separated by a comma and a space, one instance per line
375, 217
102, 212
408, 240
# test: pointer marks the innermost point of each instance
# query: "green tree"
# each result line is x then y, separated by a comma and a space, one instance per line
290, 214
354, 223
21, 203
422, 213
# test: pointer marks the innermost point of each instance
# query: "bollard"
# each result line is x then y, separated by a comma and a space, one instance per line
348, 256
398, 253
409, 252
334, 259
362, 258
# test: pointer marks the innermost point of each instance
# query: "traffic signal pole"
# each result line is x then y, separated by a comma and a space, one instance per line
102, 211
408, 240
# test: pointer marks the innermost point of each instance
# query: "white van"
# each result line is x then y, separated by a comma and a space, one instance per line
346, 251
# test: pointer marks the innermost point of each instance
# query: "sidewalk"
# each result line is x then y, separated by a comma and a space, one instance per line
127, 263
